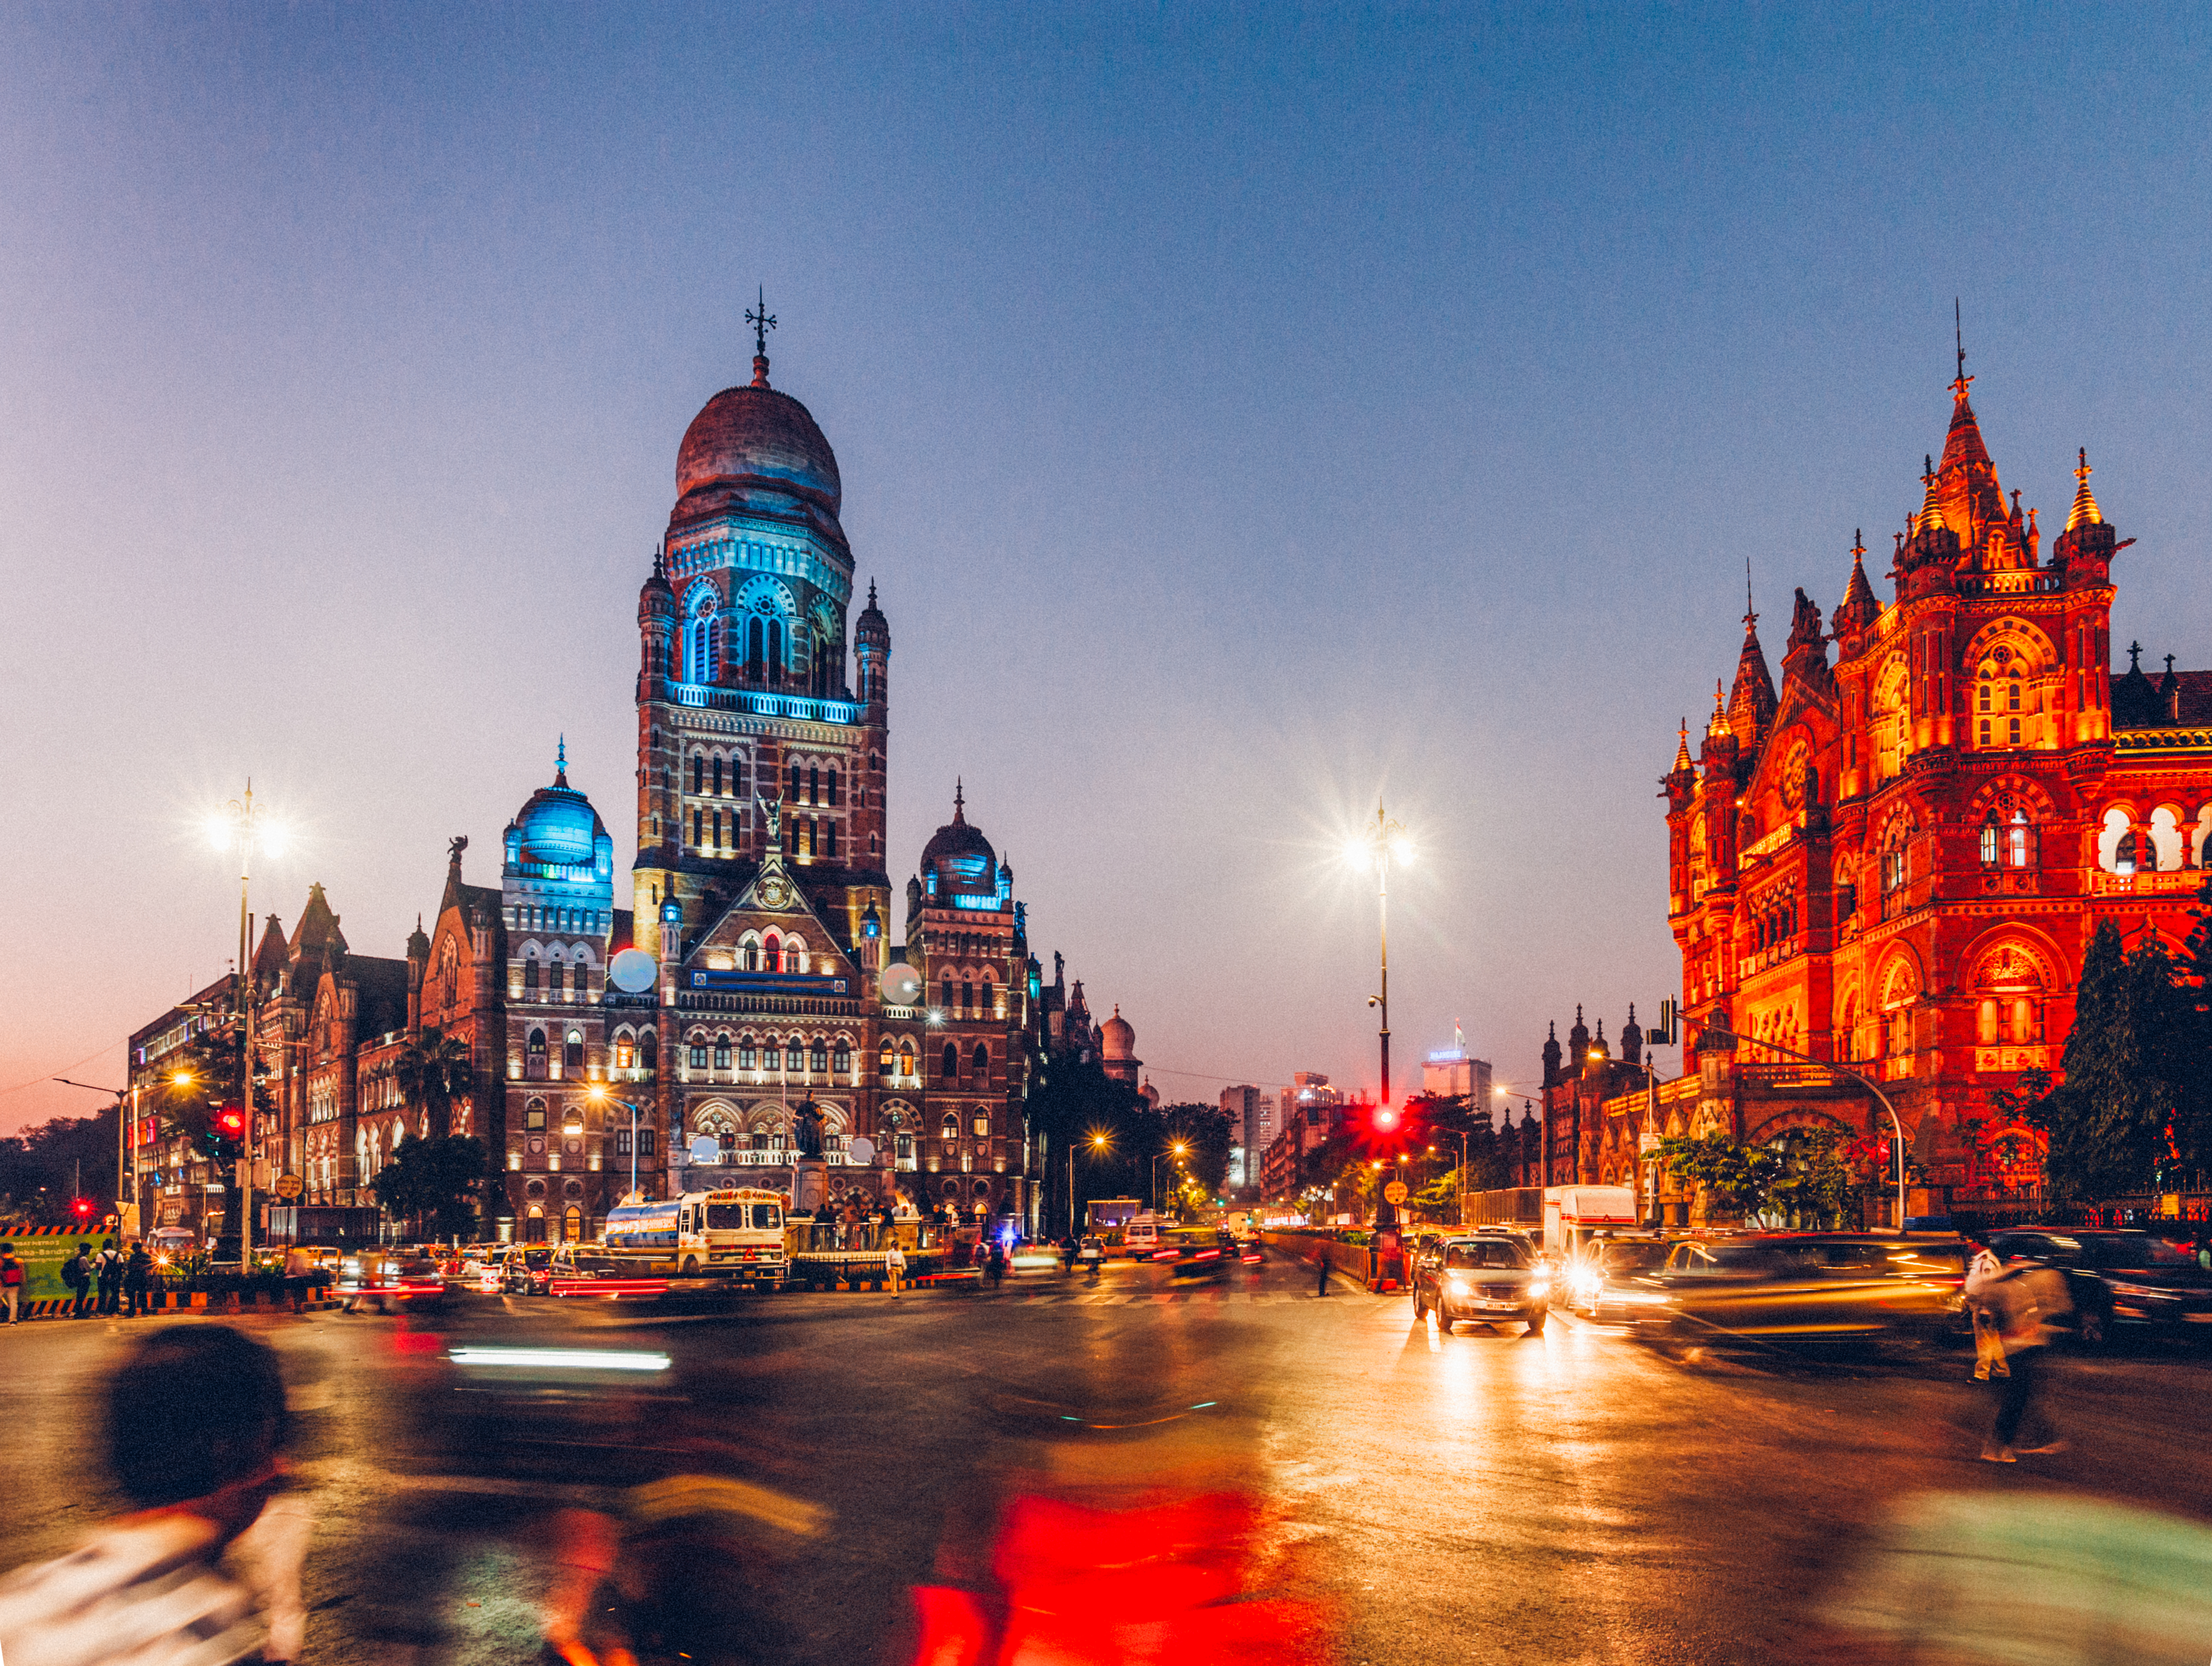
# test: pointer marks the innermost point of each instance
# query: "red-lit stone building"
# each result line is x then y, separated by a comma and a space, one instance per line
1898, 856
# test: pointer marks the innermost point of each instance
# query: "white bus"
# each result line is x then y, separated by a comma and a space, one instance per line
736, 1233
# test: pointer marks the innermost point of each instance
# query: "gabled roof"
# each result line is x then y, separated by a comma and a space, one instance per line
317, 927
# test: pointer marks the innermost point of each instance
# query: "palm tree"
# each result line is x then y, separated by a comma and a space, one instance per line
433, 1070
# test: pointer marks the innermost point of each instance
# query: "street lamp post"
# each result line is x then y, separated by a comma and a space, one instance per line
242, 824
597, 1093
1177, 1149
1379, 845
1726, 1041
1102, 1142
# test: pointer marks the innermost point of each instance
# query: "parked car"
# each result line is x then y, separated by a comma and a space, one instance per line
2119, 1280
1766, 1289
1489, 1278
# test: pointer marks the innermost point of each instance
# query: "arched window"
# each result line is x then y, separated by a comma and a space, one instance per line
794, 780
1890, 722
738, 775
755, 658
533, 1056
830, 840
748, 1053
982, 1124
648, 1052
533, 1116
889, 1059
817, 1056
572, 1052
814, 784
981, 1062
794, 955
2116, 842
699, 645
698, 1050
772, 952
530, 974
907, 1065
840, 1059
749, 957
625, 1050
794, 1056
831, 783
698, 836
949, 1066
775, 651
698, 766
718, 773
2163, 846
944, 994
2019, 841
967, 996
721, 1052
1992, 841
952, 1129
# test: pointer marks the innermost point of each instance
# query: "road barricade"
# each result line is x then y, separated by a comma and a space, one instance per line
860, 1269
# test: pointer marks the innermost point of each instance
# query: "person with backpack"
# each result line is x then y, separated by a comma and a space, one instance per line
107, 1275
137, 1281
11, 1281
76, 1275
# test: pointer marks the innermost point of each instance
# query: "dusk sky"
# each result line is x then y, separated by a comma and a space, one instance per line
1243, 415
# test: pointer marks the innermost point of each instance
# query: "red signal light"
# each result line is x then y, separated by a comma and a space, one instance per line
230, 1122
82, 1208
1386, 1120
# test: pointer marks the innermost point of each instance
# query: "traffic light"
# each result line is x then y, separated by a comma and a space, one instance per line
81, 1210
1385, 1120
226, 1134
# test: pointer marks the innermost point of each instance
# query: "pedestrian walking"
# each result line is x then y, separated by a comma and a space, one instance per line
2030, 1302
207, 1568
76, 1275
998, 1264
107, 1275
138, 1280
299, 1268
895, 1264
1984, 1269
11, 1281
1320, 1266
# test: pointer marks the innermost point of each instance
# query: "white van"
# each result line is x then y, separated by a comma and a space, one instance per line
1141, 1237
734, 1233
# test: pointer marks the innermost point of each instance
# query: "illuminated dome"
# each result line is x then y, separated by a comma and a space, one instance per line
959, 860
754, 439
558, 828
1117, 1038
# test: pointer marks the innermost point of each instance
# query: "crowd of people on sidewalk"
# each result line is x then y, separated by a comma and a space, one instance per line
111, 1281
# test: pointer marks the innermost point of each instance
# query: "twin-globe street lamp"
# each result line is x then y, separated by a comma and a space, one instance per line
246, 827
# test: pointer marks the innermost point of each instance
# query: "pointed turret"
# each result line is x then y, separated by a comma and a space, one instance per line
1552, 1056
1859, 609
2085, 511
1681, 749
1577, 1044
1632, 1038
1751, 701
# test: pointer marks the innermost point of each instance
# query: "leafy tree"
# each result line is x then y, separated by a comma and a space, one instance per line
1070, 1101
41, 1168
1205, 1132
433, 1070
436, 1182
1740, 1178
2108, 1121
1816, 1184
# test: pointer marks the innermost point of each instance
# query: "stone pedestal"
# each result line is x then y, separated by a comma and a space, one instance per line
809, 1186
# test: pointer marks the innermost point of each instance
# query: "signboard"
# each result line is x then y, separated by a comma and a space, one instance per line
767, 983
289, 1186
1647, 1142
1395, 1192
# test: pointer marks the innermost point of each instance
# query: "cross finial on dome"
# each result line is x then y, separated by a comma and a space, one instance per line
1959, 335
871, 593
560, 765
2085, 511
762, 321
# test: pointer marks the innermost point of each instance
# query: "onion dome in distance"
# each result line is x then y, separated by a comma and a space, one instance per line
557, 832
755, 439
959, 860
1117, 1038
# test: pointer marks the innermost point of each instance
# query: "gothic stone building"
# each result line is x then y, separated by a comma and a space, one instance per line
758, 916
1899, 858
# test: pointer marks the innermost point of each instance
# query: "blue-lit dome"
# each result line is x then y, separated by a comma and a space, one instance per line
558, 828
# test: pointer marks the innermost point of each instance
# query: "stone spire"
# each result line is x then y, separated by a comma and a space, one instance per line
2085, 511
1859, 609
1750, 702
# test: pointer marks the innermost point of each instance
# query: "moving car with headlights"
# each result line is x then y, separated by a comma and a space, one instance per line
1488, 1278
2119, 1279
1767, 1289
1205, 1252
389, 1281
1603, 1263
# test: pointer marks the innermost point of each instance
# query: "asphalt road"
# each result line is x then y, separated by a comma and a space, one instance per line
1395, 1495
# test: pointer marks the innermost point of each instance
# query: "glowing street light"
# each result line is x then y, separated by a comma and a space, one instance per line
1384, 843
1101, 1142
597, 1094
249, 828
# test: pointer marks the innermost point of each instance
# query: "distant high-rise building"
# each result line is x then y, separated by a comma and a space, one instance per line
1454, 1073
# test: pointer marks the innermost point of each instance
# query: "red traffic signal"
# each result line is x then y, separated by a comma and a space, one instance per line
230, 1122
1385, 1120
82, 1208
